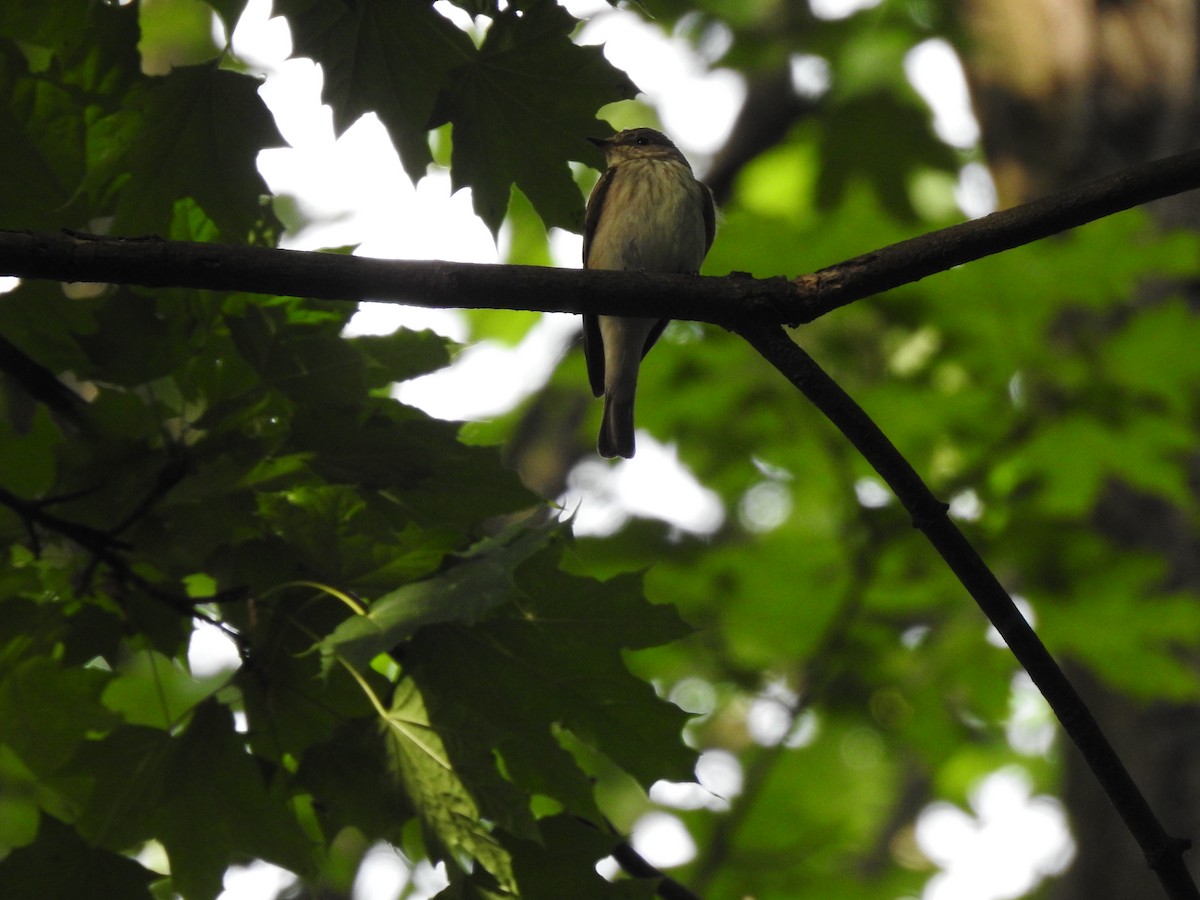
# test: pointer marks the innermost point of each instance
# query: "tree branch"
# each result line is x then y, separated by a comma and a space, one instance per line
105, 548
430, 283
639, 867
937, 251
752, 307
1164, 853
729, 301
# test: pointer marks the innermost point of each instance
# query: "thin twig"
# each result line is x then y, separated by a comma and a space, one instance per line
1164, 853
103, 549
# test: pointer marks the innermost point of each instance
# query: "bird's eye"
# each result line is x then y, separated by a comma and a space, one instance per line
642, 142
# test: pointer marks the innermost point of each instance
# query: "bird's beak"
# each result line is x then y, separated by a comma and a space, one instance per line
601, 142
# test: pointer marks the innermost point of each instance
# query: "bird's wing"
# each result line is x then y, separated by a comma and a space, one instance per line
654, 335
710, 216
593, 352
593, 343
591, 218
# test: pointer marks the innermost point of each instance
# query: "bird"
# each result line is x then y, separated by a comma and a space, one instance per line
647, 213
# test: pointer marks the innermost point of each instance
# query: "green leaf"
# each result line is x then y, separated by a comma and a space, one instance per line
46, 711
1073, 458
521, 108
27, 461
59, 864
194, 133
464, 593
290, 703
889, 164
434, 769
151, 689
382, 57
117, 784
1154, 353
554, 657
202, 828
19, 812
42, 153
563, 863
150, 784
1141, 647
350, 542
46, 25
401, 355
341, 773
440, 482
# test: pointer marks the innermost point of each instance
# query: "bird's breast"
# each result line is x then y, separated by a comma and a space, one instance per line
652, 219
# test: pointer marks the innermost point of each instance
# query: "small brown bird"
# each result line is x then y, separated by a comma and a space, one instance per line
647, 213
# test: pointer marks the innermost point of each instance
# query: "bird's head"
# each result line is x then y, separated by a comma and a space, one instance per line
637, 143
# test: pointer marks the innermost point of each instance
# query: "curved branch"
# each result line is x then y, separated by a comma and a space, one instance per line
1164, 853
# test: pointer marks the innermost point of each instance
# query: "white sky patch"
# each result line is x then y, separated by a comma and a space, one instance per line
259, 879
966, 506
682, 795
654, 484
839, 9
566, 248
811, 75
975, 192
718, 780
769, 718
385, 318
720, 772
765, 506
427, 881
459, 17
694, 695
489, 378
697, 104
382, 875
663, 840
935, 72
260, 41
872, 493
1031, 726
804, 731
1011, 841
211, 651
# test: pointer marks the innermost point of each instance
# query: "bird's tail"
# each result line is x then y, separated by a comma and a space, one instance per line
616, 429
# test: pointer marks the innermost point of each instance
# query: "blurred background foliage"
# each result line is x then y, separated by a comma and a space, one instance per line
164, 450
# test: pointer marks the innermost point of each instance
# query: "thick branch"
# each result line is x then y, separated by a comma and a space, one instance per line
430, 283
729, 301
1164, 854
